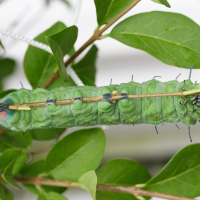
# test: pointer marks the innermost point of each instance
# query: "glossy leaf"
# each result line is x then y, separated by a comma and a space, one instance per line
5, 194
76, 154
7, 66
51, 196
20, 163
87, 81
170, 37
88, 181
3, 146
34, 170
164, 2
46, 134
181, 174
122, 172
7, 175
61, 43
17, 139
39, 64
58, 82
7, 156
108, 9
86, 67
5, 92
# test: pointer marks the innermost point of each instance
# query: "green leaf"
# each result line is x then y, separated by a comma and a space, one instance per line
86, 67
7, 66
7, 156
17, 139
61, 43
51, 196
5, 194
46, 134
87, 81
170, 37
7, 175
121, 172
181, 175
39, 64
20, 163
88, 181
108, 9
34, 170
164, 2
5, 92
3, 146
58, 82
76, 154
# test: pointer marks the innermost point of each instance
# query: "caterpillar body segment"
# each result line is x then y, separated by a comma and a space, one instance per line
150, 110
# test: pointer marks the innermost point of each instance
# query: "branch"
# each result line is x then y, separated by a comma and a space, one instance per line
38, 181
31, 154
97, 34
113, 98
2, 130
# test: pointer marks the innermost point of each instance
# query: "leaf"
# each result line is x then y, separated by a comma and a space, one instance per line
76, 154
5, 92
164, 2
39, 64
5, 194
20, 163
17, 139
108, 9
58, 82
181, 174
7, 66
86, 67
87, 81
170, 37
34, 170
121, 172
46, 134
7, 156
7, 175
61, 43
51, 196
88, 181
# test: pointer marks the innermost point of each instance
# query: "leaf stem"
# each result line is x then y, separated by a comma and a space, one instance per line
122, 189
97, 34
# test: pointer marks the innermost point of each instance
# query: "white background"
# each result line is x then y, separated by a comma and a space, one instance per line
116, 61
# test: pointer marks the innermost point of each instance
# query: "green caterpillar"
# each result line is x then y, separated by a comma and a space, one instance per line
153, 110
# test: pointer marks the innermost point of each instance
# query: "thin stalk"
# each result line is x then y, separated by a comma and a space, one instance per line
91, 99
38, 181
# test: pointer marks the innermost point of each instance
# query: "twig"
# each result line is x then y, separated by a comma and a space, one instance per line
122, 189
92, 99
2, 130
31, 154
97, 34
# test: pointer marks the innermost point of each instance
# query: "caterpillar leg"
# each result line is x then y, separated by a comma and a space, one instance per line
156, 129
189, 133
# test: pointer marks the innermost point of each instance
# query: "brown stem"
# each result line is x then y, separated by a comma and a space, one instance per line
31, 154
93, 99
2, 130
97, 34
122, 189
